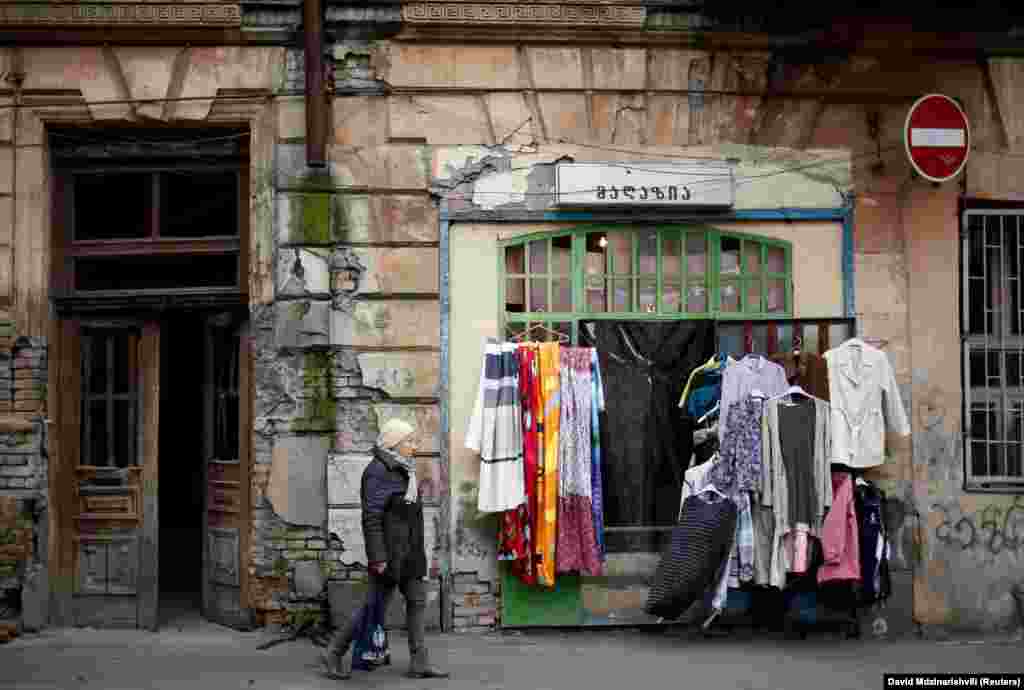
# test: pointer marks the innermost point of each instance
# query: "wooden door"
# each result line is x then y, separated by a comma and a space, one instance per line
226, 400
105, 473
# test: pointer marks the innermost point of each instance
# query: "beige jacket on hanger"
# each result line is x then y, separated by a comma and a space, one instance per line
865, 404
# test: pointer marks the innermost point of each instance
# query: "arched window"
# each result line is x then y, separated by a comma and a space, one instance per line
649, 272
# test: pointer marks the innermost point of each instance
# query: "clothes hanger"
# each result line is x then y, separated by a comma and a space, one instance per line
710, 412
562, 337
793, 390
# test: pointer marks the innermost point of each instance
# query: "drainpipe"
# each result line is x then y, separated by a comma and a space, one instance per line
316, 95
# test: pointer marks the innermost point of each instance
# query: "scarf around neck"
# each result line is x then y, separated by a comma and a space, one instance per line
396, 461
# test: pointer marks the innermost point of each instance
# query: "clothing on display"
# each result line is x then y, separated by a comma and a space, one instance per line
496, 430
807, 370
577, 549
556, 395
644, 449
865, 404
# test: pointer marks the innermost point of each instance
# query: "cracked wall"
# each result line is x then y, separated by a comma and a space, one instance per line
357, 257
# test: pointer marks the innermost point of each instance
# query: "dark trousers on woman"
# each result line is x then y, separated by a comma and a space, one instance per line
414, 591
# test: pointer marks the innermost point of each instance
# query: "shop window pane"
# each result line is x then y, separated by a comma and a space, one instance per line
597, 296
838, 333
670, 298
97, 429
671, 251
648, 252
539, 256
729, 262
561, 255
99, 217
515, 259
696, 254
515, 295
538, 294
95, 349
729, 296
776, 295
776, 260
810, 339
622, 295
514, 330
752, 258
124, 356
199, 204
753, 304
562, 296
648, 296
785, 335
564, 328
975, 259
596, 245
124, 433
621, 246
976, 305
157, 272
979, 458
696, 299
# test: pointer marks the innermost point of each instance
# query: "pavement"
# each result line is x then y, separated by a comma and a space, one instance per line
205, 656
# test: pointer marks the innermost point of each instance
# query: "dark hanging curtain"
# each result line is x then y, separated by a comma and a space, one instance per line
644, 446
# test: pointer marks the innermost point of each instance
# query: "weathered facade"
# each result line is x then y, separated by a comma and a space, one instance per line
366, 284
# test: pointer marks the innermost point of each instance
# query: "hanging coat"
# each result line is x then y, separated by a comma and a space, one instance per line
645, 450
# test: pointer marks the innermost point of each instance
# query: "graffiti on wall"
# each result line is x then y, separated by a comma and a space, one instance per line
994, 530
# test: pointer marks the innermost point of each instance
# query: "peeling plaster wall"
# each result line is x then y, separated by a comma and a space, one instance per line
357, 252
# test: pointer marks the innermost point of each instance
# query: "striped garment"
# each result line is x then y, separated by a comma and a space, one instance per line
597, 492
496, 431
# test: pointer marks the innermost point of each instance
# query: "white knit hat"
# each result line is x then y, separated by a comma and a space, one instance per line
394, 432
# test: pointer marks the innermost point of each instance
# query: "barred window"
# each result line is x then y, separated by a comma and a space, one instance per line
993, 349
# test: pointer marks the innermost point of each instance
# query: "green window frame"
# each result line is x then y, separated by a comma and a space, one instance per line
668, 272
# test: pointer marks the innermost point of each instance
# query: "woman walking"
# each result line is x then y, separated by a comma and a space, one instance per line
395, 552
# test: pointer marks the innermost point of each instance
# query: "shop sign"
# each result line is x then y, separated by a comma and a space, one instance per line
937, 137
645, 184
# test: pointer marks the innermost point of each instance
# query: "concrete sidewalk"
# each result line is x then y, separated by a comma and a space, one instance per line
205, 656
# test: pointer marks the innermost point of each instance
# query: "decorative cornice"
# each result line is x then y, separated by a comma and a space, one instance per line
114, 14
514, 13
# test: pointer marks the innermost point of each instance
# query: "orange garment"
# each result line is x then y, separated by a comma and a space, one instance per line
547, 471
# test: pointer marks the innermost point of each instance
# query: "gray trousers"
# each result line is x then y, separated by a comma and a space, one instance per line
415, 592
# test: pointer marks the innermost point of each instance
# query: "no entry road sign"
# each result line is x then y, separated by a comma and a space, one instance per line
937, 137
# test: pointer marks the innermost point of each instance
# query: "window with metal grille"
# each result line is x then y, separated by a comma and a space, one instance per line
993, 349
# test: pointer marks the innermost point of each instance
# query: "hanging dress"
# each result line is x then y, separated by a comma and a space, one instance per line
596, 408
547, 471
517, 529
577, 549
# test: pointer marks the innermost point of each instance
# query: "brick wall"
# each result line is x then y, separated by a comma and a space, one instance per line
23, 474
476, 603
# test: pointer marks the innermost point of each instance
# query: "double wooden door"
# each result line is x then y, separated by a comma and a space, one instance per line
106, 419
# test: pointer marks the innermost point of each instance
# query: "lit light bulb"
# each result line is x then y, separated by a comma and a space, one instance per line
603, 242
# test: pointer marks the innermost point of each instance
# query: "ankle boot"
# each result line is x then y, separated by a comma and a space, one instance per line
339, 666
420, 667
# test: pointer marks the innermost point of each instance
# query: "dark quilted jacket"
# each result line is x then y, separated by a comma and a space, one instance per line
392, 528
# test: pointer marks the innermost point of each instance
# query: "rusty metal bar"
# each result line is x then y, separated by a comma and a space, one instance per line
316, 97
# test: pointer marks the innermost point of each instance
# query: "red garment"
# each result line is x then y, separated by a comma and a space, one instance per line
519, 526
839, 538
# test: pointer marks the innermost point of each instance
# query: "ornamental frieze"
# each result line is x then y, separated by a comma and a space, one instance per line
119, 14
523, 13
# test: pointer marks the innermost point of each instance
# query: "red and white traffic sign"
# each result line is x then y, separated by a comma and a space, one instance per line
937, 137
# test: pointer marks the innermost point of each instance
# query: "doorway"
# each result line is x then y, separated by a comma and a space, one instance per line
181, 485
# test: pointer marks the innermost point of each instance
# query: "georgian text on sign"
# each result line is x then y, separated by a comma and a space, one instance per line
645, 184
